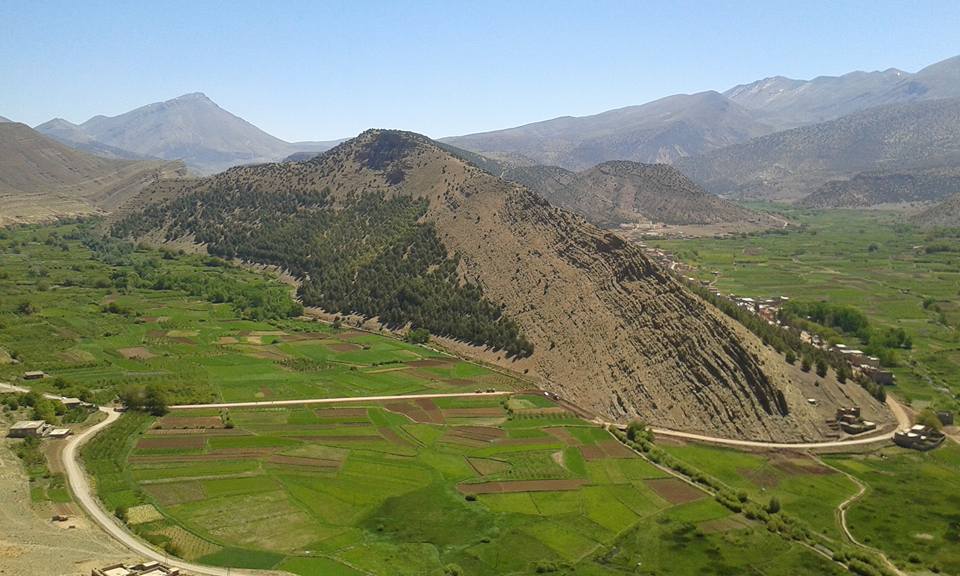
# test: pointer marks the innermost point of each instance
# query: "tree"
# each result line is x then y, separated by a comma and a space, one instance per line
637, 430
418, 336
791, 357
774, 505
821, 367
929, 418
132, 397
805, 364
155, 401
26, 308
44, 409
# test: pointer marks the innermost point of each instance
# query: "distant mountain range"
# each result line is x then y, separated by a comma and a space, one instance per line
788, 103
42, 179
4, 120
874, 188
711, 125
622, 192
191, 128
660, 131
794, 163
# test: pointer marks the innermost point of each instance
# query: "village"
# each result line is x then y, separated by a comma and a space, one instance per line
918, 437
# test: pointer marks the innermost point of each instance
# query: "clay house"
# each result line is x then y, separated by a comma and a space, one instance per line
34, 375
30, 429
918, 437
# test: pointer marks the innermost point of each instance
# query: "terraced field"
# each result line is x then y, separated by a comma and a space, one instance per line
101, 326
479, 484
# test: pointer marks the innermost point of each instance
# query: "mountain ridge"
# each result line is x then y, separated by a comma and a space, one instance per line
191, 127
609, 329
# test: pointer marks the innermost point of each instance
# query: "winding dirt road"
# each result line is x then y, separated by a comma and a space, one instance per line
84, 496
80, 487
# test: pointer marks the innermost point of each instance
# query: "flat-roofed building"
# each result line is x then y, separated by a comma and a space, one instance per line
30, 429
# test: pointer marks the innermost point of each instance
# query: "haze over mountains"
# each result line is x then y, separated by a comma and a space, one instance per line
701, 132
191, 128
609, 329
41, 179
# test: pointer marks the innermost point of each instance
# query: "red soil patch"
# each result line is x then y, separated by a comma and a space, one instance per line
187, 422
266, 392
238, 454
136, 353
205, 432
479, 433
186, 442
350, 334
721, 525
614, 449
592, 452
156, 333
673, 490
430, 408
563, 435
472, 412
520, 486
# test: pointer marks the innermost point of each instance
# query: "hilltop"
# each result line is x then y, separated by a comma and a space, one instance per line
946, 214
390, 225
872, 189
41, 179
191, 128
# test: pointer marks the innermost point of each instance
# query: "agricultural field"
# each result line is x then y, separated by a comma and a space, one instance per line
99, 319
471, 485
805, 488
898, 275
911, 509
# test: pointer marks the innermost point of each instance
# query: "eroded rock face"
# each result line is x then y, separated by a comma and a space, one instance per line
611, 330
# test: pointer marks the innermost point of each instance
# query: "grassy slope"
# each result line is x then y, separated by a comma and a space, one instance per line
832, 260
70, 337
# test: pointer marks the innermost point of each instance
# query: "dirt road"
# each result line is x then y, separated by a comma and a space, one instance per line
268, 403
80, 487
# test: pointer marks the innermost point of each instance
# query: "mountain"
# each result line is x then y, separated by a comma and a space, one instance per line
794, 163
660, 131
191, 127
393, 226
41, 179
787, 103
72, 135
871, 189
621, 192
4, 120
943, 215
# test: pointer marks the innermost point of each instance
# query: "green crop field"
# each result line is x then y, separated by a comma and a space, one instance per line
898, 275
804, 487
465, 485
96, 326
911, 509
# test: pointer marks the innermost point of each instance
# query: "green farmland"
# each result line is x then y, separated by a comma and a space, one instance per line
898, 275
95, 326
471, 485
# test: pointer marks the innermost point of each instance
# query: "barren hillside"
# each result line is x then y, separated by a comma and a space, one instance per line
41, 179
595, 320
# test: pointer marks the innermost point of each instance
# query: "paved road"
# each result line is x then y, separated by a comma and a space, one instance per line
268, 403
83, 495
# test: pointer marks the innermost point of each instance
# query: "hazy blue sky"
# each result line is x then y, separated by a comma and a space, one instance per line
320, 70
